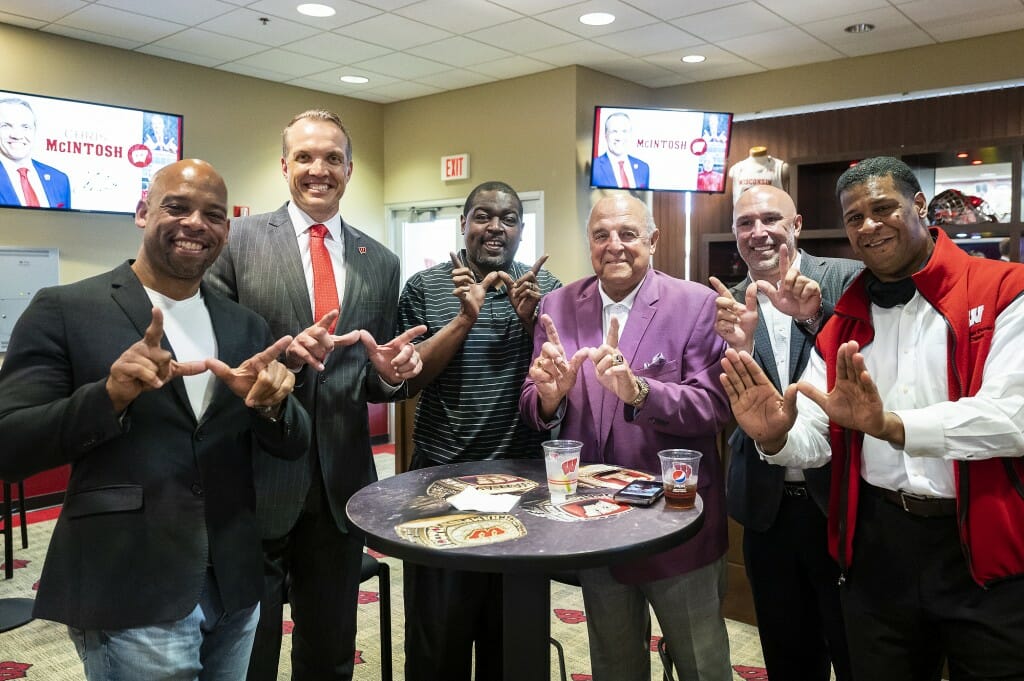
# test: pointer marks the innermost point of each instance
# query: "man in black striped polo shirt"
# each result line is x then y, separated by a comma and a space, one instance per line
479, 311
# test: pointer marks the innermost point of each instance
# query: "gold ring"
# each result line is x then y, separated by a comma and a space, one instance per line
539, 363
616, 359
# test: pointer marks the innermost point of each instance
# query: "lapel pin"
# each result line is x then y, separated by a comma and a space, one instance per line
46, 177
362, 250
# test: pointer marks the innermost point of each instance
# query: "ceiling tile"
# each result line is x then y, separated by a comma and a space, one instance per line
401, 65
781, 48
459, 51
568, 18
15, 20
734, 21
178, 55
387, 5
346, 12
405, 90
716, 56
512, 67
51, 10
973, 27
205, 44
394, 31
336, 48
893, 31
331, 77
631, 70
245, 24
666, 81
529, 7
187, 12
458, 16
802, 11
923, 11
673, 9
90, 36
583, 52
125, 25
453, 80
649, 40
741, 68
525, 35
291, 64
255, 72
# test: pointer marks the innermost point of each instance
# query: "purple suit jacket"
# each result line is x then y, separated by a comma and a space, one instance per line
669, 340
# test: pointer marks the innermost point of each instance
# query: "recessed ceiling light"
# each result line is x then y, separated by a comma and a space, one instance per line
977, 162
313, 9
356, 80
597, 19
859, 28
693, 58
962, 154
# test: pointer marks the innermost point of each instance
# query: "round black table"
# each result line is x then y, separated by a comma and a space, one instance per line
546, 545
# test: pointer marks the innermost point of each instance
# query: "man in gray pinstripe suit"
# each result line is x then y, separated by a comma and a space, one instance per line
775, 314
266, 266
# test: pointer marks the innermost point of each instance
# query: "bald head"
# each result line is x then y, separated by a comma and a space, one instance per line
192, 171
763, 219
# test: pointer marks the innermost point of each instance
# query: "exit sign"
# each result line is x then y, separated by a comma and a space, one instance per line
455, 167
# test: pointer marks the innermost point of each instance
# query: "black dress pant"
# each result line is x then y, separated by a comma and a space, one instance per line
320, 567
909, 601
796, 594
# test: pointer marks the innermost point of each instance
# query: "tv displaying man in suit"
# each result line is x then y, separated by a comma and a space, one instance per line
25, 181
305, 269
162, 394
615, 167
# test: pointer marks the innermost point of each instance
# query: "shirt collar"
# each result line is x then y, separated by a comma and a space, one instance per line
301, 222
627, 302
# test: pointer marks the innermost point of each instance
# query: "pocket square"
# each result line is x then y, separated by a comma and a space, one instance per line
656, 361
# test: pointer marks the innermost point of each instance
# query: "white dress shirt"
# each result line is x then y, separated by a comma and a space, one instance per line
334, 242
11, 168
908, 363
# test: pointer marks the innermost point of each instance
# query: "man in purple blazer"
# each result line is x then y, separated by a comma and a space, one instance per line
627, 396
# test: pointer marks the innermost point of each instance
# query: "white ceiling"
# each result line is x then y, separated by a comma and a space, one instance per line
411, 48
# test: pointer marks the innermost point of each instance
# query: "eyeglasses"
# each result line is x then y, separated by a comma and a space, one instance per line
627, 237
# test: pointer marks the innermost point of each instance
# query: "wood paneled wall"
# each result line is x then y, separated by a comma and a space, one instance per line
995, 117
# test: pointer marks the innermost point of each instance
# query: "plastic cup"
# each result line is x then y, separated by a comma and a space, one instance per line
562, 463
679, 477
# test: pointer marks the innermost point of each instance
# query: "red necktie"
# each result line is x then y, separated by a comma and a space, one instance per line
325, 289
26, 188
623, 177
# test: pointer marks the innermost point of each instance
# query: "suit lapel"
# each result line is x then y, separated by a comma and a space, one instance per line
799, 349
355, 280
129, 294
763, 353
589, 334
281, 236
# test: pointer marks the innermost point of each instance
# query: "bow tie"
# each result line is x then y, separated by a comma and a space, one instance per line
889, 293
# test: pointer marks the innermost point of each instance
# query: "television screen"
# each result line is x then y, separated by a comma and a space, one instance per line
660, 149
61, 154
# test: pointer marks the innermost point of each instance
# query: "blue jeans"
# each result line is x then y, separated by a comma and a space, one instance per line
206, 644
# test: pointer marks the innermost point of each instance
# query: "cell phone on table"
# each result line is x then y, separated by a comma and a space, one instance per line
640, 492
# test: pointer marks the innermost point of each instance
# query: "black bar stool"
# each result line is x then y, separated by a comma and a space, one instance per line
9, 526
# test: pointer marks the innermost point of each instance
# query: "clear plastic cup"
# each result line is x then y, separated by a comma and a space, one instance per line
562, 462
679, 477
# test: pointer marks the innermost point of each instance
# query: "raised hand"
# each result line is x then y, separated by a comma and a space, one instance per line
612, 370
469, 292
397, 360
764, 414
146, 366
313, 344
796, 295
553, 373
524, 293
854, 401
261, 380
735, 322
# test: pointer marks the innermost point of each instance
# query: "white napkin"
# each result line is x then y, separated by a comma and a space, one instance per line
472, 499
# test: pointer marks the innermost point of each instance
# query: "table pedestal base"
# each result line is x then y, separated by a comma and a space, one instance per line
14, 612
526, 618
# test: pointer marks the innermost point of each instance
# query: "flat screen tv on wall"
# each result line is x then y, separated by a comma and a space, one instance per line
660, 149
62, 154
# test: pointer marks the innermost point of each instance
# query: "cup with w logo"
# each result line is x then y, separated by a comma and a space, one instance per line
562, 463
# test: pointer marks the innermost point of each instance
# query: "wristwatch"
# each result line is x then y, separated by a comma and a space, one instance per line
643, 390
812, 320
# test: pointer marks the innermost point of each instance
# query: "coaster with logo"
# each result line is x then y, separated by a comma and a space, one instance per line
491, 483
462, 530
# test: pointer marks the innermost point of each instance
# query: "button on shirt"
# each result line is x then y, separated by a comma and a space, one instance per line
908, 362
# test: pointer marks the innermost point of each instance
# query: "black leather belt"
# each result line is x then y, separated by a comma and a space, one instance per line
797, 490
916, 504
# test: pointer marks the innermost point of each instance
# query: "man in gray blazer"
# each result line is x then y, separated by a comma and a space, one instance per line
154, 564
268, 267
774, 314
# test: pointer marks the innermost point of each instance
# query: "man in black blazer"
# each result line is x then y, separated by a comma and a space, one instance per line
775, 313
154, 564
268, 267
